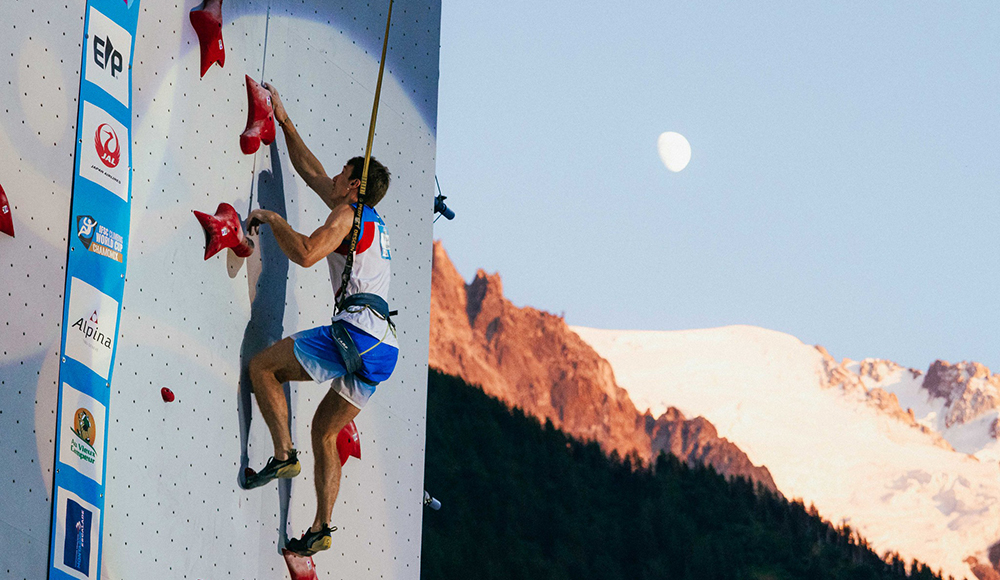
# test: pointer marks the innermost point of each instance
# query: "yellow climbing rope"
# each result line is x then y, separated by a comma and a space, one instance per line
356, 228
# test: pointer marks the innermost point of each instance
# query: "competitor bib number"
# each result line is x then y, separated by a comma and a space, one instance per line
383, 238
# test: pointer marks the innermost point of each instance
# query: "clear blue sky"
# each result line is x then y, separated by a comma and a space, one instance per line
844, 185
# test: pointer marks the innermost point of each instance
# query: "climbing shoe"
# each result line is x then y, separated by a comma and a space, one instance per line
311, 542
274, 469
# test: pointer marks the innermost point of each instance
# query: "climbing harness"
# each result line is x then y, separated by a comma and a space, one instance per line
345, 344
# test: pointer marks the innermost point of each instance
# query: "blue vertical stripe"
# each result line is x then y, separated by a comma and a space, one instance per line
95, 282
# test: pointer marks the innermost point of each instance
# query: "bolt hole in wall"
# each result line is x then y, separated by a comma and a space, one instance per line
188, 325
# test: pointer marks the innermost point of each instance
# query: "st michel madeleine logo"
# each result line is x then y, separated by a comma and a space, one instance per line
85, 430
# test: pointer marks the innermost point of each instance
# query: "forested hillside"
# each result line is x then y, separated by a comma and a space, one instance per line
525, 501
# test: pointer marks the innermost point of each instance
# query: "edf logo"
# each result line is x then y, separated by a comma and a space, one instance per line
105, 55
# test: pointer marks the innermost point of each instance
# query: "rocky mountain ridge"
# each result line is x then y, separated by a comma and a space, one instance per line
959, 393
532, 360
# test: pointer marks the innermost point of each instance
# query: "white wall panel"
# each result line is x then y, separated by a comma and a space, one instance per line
40, 54
174, 509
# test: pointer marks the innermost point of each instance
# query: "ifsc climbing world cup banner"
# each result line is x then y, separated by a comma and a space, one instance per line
95, 281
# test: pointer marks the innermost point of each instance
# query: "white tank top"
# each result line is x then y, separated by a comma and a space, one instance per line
369, 274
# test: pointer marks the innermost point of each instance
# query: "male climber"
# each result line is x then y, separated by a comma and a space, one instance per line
357, 351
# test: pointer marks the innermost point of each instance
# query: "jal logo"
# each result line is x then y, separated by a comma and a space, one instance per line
107, 56
107, 145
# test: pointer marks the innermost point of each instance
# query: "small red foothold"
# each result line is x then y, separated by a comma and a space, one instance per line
223, 230
248, 472
6, 218
167, 394
260, 119
300, 567
207, 22
349, 442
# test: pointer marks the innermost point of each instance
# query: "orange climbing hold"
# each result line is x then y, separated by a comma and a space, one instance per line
349, 442
260, 119
223, 230
6, 218
207, 22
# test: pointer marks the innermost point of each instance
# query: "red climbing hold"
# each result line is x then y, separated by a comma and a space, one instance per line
260, 119
167, 394
6, 218
349, 442
207, 22
223, 230
300, 567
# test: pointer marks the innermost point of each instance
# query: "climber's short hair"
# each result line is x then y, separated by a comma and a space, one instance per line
378, 179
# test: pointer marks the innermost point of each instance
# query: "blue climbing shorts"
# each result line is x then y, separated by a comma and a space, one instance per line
318, 355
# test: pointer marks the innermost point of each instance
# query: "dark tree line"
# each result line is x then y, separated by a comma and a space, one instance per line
525, 501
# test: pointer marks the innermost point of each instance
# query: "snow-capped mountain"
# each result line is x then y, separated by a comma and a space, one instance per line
907, 458
531, 360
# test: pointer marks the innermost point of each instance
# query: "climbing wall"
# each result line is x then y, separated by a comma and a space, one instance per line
173, 507
40, 57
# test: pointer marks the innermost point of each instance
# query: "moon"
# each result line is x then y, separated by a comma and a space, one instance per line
675, 151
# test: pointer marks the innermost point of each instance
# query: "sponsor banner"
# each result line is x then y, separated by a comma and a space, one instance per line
93, 326
104, 152
77, 536
95, 281
108, 55
82, 428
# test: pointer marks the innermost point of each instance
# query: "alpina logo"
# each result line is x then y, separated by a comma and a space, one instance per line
91, 324
91, 331
107, 145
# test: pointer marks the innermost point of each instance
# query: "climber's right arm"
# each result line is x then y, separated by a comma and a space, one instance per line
303, 160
